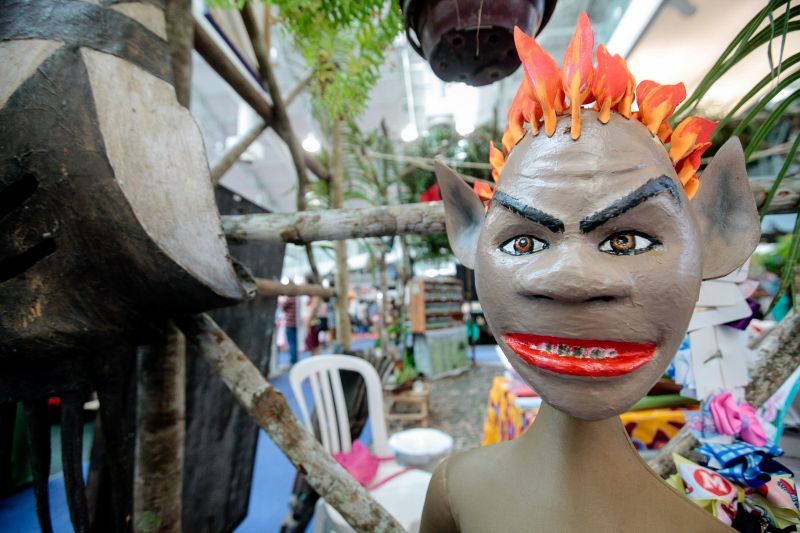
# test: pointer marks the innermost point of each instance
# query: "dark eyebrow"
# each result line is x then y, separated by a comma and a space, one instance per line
534, 215
648, 190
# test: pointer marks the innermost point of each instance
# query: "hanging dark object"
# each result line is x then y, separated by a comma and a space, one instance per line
472, 41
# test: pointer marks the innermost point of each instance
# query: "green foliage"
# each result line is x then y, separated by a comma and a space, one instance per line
342, 41
771, 25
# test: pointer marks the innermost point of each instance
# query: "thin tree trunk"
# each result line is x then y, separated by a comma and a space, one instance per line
383, 273
180, 33
160, 434
779, 357
343, 328
269, 409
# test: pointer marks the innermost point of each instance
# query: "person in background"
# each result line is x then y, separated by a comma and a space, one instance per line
289, 309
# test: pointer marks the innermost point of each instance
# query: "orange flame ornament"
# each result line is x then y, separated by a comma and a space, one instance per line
483, 190
657, 102
543, 78
611, 83
577, 71
497, 161
691, 133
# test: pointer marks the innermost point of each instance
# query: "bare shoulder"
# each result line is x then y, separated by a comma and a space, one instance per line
470, 468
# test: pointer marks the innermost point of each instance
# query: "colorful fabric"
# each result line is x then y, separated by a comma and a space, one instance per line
744, 463
732, 418
507, 418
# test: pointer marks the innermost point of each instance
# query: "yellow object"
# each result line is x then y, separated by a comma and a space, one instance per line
505, 420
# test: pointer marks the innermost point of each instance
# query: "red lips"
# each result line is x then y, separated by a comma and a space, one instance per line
579, 357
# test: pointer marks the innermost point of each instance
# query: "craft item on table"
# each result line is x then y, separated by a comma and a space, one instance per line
680, 369
743, 463
773, 503
779, 498
706, 488
588, 255
721, 419
718, 344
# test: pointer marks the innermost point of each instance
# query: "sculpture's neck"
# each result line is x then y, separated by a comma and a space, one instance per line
581, 446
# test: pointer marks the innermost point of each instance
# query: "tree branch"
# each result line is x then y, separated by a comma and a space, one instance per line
298, 89
336, 224
235, 152
222, 65
269, 409
268, 287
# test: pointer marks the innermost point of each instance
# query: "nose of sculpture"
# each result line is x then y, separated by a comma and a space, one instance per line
568, 273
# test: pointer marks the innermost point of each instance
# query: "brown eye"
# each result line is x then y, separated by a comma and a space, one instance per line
628, 243
622, 243
523, 245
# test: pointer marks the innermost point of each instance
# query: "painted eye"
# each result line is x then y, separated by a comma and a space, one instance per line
629, 243
522, 245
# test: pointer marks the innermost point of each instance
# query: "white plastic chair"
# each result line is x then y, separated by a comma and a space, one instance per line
402, 496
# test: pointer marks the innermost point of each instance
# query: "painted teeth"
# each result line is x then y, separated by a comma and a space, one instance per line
565, 350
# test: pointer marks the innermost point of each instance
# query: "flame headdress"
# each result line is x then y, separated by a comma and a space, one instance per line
545, 88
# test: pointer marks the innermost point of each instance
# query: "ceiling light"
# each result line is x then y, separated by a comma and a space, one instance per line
409, 133
464, 127
311, 144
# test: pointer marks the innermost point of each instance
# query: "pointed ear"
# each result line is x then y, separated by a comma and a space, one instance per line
463, 212
726, 212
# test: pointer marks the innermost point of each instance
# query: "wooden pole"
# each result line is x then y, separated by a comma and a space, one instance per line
180, 34
268, 407
343, 327
779, 357
158, 474
235, 152
268, 287
336, 224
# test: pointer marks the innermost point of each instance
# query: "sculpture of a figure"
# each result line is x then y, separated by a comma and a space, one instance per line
588, 261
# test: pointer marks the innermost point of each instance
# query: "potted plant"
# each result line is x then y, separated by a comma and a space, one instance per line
472, 41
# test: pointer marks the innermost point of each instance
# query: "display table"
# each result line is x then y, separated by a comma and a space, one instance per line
508, 417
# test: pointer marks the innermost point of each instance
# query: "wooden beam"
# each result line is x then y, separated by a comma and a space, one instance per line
786, 199
222, 65
779, 357
268, 287
235, 152
270, 410
336, 224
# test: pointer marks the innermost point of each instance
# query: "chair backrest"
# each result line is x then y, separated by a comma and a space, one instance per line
322, 371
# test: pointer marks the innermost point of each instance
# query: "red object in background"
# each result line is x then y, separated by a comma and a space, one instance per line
54, 401
431, 194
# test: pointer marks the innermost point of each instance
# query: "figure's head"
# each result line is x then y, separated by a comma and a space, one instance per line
589, 256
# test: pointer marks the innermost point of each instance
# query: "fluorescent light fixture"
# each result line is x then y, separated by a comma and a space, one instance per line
631, 26
311, 144
409, 133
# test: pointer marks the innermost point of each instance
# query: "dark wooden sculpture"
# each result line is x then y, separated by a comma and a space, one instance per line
108, 224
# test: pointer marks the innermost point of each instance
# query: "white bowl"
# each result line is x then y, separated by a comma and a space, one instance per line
420, 446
